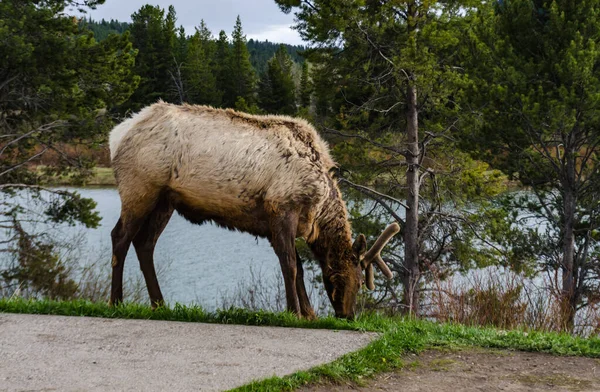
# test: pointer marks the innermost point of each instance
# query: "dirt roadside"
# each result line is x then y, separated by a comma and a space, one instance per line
483, 370
93, 354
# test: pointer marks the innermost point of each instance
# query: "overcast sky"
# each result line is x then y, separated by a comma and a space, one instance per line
261, 19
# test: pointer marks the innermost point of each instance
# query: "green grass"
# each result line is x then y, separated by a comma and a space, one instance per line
101, 176
176, 313
398, 336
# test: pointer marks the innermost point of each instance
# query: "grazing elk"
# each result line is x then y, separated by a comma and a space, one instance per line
265, 175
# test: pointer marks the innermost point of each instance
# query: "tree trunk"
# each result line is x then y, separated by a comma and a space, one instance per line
569, 283
411, 228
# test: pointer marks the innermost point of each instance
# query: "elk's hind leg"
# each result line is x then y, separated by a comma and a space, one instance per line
144, 243
136, 205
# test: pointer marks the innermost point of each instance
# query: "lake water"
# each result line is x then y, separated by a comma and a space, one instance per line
197, 264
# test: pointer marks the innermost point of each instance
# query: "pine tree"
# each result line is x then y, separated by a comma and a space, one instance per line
242, 78
262, 51
306, 88
154, 36
173, 50
392, 71
176, 71
201, 84
170, 29
56, 85
324, 90
208, 42
538, 89
266, 98
209, 46
277, 91
220, 67
181, 44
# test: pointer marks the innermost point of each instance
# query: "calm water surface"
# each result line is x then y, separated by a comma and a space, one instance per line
198, 264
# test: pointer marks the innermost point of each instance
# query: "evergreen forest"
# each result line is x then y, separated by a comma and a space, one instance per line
176, 66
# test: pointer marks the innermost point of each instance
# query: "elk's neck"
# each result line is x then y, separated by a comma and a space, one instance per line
335, 235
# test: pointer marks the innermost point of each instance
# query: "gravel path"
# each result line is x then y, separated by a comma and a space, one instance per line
93, 354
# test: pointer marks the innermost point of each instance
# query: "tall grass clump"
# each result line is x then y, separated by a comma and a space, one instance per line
505, 299
266, 291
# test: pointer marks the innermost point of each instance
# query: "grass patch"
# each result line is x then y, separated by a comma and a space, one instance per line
414, 365
556, 380
398, 336
441, 365
101, 176
177, 313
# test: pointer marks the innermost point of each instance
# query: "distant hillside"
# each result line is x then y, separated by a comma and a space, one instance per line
104, 28
260, 51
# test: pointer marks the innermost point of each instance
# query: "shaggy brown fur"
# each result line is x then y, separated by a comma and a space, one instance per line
265, 175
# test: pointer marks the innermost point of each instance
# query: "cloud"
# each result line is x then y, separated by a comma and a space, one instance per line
279, 33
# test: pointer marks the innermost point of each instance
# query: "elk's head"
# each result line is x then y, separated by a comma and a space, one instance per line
342, 286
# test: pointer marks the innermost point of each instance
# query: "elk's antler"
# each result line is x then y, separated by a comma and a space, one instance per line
374, 256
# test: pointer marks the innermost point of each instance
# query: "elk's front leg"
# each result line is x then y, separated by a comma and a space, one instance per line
283, 236
305, 308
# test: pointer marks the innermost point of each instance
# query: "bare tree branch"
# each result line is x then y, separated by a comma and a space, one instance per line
43, 128
31, 158
378, 197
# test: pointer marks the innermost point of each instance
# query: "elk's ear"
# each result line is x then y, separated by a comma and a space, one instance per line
360, 246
